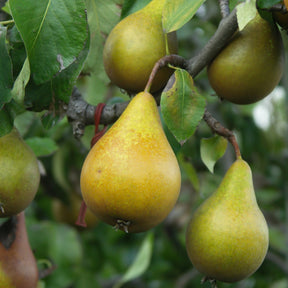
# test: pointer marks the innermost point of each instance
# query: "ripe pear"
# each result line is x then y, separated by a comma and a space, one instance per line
134, 45
18, 266
19, 174
251, 65
68, 212
227, 237
131, 178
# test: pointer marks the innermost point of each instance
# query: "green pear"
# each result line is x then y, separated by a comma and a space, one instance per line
131, 178
18, 266
19, 174
134, 45
227, 237
251, 65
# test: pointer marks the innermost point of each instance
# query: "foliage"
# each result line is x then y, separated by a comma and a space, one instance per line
48, 47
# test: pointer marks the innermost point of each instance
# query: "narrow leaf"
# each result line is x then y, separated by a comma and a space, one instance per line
177, 13
54, 33
141, 262
190, 171
6, 76
182, 106
245, 13
211, 150
18, 91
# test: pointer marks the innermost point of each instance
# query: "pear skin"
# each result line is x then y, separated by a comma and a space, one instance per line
134, 45
131, 178
19, 174
251, 65
18, 266
227, 237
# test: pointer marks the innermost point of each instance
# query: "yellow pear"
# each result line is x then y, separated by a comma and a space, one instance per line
19, 174
131, 178
134, 45
251, 65
227, 237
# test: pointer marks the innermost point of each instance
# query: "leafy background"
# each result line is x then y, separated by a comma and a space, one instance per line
102, 257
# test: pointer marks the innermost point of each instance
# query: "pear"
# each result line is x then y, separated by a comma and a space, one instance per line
131, 178
19, 174
251, 65
227, 237
18, 266
134, 45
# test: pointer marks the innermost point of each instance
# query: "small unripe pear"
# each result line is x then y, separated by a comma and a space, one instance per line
19, 174
227, 237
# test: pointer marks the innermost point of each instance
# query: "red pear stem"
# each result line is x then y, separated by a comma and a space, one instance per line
81, 217
173, 59
97, 135
219, 129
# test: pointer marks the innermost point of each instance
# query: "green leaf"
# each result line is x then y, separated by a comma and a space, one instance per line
267, 3
6, 76
141, 262
212, 149
189, 170
132, 6
102, 17
177, 13
42, 146
245, 13
18, 91
54, 33
182, 106
58, 90
7, 115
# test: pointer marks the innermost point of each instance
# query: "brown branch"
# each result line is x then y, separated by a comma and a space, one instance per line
80, 113
217, 128
174, 60
224, 8
227, 27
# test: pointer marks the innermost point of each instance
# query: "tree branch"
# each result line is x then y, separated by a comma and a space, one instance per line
80, 113
217, 128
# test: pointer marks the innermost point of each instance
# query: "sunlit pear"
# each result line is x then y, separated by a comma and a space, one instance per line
131, 178
251, 65
134, 45
19, 174
227, 237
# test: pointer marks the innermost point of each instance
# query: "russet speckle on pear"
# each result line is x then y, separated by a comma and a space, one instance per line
131, 178
227, 237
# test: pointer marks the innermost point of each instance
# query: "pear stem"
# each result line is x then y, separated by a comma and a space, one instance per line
173, 60
219, 129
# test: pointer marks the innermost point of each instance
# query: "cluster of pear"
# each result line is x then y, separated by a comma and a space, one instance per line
19, 182
227, 237
251, 65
